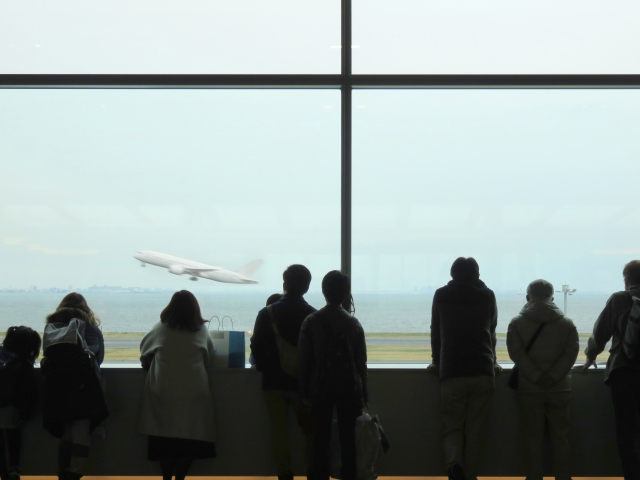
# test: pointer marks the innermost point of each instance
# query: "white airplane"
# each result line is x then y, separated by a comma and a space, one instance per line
180, 266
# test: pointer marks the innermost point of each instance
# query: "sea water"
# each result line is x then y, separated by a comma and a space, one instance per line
384, 313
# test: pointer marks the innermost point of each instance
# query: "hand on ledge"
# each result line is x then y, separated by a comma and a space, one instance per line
497, 369
588, 364
433, 369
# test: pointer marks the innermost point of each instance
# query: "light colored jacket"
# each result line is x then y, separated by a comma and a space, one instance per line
554, 351
177, 400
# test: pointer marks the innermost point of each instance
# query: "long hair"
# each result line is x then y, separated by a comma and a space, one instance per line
24, 342
183, 312
349, 305
75, 300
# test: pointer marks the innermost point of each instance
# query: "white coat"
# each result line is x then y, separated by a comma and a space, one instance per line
177, 400
554, 351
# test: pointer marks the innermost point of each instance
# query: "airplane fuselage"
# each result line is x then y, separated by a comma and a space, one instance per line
183, 266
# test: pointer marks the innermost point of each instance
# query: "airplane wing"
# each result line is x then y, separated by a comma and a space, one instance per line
200, 270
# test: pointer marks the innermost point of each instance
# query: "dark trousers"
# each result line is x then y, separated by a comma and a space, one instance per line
625, 392
322, 413
9, 452
279, 402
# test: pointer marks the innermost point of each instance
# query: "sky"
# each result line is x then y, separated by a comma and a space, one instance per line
293, 36
533, 183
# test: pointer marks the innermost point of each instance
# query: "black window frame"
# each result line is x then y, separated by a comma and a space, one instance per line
346, 81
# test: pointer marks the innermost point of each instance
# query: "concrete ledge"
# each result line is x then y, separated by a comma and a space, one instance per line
406, 399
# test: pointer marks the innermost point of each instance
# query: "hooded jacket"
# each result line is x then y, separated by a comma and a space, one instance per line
554, 351
71, 397
92, 334
611, 325
464, 317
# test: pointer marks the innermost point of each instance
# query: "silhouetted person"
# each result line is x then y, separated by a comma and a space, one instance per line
273, 298
622, 374
464, 316
544, 386
281, 389
18, 394
333, 374
74, 403
177, 405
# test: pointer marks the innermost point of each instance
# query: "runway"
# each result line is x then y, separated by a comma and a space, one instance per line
394, 341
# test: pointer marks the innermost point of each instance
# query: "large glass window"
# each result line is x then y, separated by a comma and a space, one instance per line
532, 183
221, 177
496, 37
169, 36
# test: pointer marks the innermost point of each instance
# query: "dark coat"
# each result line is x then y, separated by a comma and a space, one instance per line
74, 394
21, 384
315, 334
464, 317
290, 312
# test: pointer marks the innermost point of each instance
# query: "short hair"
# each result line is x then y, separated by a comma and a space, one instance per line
273, 298
24, 342
297, 279
465, 269
336, 287
76, 300
631, 272
183, 312
540, 290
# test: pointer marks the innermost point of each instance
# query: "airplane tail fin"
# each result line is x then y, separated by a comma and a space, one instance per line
248, 269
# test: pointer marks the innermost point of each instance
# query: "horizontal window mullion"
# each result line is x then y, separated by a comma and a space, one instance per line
170, 81
320, 81
495, 81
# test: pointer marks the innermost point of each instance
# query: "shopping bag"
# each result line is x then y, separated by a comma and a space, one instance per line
367, 447
229, 347
370, 439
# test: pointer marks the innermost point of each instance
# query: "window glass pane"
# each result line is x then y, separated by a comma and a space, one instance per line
220, 177
169, 36
496, 37
532, 183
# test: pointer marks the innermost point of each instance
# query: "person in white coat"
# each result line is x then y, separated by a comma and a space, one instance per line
177, 405
545, 376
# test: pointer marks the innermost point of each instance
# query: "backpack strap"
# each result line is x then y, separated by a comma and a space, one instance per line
274, 325
534, 338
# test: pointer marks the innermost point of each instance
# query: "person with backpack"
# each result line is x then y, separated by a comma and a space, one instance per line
622, 372
18, 394
333, 374
464, 317
177, 411
274, 347
74, 401
544, 345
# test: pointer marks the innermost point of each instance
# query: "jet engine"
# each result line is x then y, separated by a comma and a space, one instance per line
176, 270
193, 279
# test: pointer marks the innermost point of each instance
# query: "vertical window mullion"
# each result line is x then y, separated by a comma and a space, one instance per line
346, 118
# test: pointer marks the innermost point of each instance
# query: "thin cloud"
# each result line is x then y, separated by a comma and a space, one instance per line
15, 241
618, 251
62, 251
18, 241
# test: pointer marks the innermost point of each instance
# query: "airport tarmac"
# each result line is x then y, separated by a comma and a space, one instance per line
395, 341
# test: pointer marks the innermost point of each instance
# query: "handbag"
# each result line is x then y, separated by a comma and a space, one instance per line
288, 353
514, 378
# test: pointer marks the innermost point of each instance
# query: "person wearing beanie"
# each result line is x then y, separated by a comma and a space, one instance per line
544, 385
